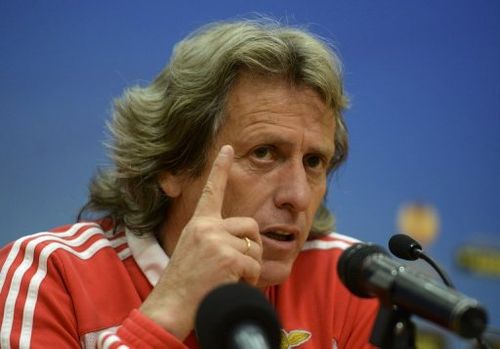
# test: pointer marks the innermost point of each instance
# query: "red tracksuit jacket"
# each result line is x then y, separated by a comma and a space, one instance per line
80, 286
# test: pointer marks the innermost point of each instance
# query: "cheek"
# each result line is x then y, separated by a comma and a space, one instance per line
318, 194
246, 193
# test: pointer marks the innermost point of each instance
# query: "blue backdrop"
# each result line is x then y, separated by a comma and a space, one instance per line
423, 77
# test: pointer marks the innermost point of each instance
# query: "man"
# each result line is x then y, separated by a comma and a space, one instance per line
220, 166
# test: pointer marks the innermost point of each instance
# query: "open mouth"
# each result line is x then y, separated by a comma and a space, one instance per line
279, 235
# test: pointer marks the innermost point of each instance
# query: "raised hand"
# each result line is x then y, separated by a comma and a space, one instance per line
211, 251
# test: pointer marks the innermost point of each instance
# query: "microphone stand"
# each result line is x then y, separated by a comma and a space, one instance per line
405, 247
393, 329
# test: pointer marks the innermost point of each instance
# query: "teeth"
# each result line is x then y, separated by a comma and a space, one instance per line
279, 235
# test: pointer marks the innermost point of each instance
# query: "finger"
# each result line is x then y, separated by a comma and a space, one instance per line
246, 247
252, 249
212, 196
251, 270
243, 226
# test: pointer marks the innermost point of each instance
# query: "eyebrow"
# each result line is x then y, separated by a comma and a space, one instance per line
273, 138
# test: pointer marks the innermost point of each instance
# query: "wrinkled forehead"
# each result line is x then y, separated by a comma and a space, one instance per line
254, 93
273, 111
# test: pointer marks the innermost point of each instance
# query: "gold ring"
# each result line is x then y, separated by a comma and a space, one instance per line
248, 246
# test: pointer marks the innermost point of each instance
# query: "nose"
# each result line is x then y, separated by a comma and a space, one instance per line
294, 190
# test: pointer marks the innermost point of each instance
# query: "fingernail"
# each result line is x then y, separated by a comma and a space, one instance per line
226, 150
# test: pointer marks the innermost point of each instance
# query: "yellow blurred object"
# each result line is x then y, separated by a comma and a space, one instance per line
419, 221
480, 260
430, 340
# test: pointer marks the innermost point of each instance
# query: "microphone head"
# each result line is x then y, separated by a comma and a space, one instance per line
229, 306
350, 267
405, 247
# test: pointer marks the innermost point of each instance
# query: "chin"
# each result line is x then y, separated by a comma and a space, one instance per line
274, 273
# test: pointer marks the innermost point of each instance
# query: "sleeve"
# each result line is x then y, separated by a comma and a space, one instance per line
138, 331
38, 310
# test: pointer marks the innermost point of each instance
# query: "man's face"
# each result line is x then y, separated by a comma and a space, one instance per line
282, 137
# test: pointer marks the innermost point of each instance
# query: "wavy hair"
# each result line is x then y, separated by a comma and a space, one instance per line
171, 124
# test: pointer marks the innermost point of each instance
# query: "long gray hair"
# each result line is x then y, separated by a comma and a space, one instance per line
171, 124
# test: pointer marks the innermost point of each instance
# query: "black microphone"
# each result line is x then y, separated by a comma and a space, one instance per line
237, 316
367, 271
405, 247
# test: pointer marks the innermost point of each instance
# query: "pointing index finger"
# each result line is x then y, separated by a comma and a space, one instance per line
212, 196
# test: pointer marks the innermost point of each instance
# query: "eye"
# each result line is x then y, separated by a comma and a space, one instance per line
263, 153
314, 162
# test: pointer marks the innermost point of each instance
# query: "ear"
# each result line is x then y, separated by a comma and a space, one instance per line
171, 184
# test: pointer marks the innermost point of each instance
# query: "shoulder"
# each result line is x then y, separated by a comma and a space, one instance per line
317, 262
319, 257
75, 242
58, 278
79, 239
332, 241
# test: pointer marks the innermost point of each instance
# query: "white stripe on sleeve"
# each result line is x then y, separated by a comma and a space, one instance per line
14, 251
38, 277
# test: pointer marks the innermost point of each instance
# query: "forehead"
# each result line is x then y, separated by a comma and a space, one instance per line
255, 97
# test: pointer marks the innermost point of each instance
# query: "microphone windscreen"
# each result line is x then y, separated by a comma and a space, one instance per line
230, 306
350, 266
404, 247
